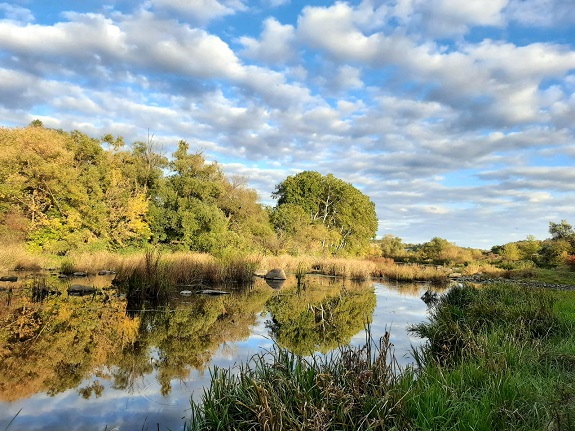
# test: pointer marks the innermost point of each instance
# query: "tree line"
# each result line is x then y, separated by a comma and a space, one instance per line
65, 191
556, 251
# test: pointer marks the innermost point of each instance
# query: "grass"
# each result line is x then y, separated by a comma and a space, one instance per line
386, 268
500, 357
279, 390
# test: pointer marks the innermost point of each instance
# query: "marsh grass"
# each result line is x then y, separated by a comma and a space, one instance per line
154, 276
16, 257
500, 357
278, 390
497, 358
410, 272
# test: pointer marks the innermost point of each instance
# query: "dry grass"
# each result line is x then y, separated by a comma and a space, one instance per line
410, 272
16, 257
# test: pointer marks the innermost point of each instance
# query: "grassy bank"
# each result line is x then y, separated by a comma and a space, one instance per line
502, 357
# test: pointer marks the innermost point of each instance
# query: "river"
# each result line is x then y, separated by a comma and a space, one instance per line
95, 363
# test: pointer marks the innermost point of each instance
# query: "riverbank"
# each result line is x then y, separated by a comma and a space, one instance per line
500, 357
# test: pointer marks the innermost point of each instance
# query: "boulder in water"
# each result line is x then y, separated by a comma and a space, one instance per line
275, 274
81, 290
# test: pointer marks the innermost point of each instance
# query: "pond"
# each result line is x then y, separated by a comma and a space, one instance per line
95, 363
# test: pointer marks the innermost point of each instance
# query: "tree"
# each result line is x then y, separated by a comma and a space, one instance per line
561, 230
347, 215
392, 246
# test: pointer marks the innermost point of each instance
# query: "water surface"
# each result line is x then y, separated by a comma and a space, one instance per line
95, 363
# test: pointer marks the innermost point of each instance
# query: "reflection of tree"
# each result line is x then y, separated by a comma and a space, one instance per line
189, 334
53, 346
319, 320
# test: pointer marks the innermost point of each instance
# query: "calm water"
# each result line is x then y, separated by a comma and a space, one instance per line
92, 363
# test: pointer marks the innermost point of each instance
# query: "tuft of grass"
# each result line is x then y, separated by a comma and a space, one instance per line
279, 390
16, 257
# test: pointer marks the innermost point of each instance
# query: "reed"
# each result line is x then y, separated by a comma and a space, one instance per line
15, 257
279, 390
410, 272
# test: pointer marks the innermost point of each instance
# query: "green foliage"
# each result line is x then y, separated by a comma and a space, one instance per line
392, 246
63, 192
343, 218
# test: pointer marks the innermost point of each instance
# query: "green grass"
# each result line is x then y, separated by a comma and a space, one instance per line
497, 358
555, 275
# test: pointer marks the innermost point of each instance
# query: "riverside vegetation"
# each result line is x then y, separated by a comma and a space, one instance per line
497, 358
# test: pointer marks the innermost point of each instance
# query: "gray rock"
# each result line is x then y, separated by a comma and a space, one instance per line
81, 290
275, 274
80, 274
10, 278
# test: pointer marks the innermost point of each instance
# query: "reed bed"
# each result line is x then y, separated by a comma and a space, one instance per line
410, 272
93, 262
15, 257
153, 275
279, 390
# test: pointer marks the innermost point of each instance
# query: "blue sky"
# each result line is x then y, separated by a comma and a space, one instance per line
456, 118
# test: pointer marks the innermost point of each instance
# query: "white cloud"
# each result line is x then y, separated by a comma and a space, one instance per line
274, 46
201, 11
16, 13
542, 13
443, 18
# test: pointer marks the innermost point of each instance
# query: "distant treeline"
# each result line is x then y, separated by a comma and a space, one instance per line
558, 250
65, 191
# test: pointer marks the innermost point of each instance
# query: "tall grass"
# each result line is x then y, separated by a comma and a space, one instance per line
487, 364
386, 268
279, 390
153, 275
16, 257
497, 358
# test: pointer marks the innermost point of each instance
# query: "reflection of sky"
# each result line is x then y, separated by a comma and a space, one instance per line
144, 408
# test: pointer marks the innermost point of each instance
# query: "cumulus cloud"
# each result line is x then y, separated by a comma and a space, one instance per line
444, 18
274, 46
200, 11
16, 13
542, 13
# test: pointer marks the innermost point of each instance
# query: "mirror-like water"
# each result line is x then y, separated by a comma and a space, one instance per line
91, 363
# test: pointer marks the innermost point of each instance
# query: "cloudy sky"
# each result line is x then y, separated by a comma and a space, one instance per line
455, 117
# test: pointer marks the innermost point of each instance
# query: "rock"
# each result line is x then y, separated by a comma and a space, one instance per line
186, 292
275, 283
81, 290
62, 276
10, 278
106, 272
275, 274
212, 292
80, 274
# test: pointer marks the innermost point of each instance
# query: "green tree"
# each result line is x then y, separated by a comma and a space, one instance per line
392, 246
561, 230
347, 215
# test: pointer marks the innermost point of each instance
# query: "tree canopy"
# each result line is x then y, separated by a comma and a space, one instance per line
326, 210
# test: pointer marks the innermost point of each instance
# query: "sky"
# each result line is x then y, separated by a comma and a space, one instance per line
455, 117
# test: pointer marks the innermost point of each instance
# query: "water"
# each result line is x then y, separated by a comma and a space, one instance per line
90, 363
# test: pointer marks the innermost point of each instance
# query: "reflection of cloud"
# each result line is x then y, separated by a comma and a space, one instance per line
396, 308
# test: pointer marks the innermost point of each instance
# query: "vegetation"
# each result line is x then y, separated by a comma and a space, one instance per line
497, 358
65, 192
335, 213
